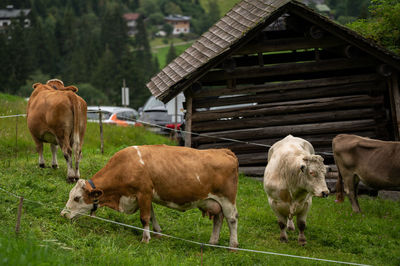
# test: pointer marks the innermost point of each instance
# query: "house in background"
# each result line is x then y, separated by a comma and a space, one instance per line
131, 22
180, 24
10, 13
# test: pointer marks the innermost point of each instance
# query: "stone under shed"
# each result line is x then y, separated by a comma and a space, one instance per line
270, 68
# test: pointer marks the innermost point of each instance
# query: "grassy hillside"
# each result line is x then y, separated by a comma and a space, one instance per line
333, 231
162, 51
224, 5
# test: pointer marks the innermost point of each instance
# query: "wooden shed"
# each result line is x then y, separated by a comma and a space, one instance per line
270, 68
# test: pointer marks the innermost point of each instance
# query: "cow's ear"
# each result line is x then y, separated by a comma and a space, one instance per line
95, 193
319, 158
36, 84
71, 88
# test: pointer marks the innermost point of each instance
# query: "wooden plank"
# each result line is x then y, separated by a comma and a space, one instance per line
288, 44
288, 85
287, 69
315, 140
188, 117
252, 170
394, 92
289, 119
332, 103
366, 88
280, 131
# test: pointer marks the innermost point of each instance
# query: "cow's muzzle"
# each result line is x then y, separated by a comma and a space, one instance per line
325, 194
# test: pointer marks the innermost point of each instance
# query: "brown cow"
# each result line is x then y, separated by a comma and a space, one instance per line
180, 178
375, 162
294, 175
56, 115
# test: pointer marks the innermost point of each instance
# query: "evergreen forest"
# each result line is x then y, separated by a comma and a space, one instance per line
85, 43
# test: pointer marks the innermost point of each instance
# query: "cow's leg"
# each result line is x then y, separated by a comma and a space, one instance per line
290, 225
144, 203
301, 224
156, 226
67, 151
39, 149
282, 222
350, 183
217, 224
54, 162
77, 147
78, 157
231, 215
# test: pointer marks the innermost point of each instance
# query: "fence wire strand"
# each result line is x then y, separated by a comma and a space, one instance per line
186, 132
192, 241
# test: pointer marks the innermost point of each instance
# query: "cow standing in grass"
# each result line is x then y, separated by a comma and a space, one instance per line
375, 162
57, 115
294, 175
180, 178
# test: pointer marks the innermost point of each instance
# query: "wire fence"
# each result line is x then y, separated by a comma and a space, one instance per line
175, 130
201, 244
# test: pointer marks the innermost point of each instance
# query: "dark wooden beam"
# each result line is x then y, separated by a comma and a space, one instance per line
366, 88
280, 131
287, 85
287, 69
287, 119
288, 44
331, 103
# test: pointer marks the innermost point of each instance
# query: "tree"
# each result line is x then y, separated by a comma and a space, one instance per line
384, 24
171, 55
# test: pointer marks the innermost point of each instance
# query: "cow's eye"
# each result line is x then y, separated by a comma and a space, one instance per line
77, 199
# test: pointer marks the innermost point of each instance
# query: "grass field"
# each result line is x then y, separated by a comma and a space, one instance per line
162, 52
333, 231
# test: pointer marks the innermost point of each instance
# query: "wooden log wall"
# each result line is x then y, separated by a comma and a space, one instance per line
310, 88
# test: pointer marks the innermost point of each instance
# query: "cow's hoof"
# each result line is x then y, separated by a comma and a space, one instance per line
283, 239
41, 165
233, 247
213, 242
302, 242
71, 180
145, 240
157, 236
54, 166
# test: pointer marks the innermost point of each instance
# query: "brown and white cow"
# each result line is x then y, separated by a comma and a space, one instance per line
293, 175
57, 115
375, 162
180, 178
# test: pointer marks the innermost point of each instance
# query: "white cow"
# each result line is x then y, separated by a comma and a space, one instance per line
293, 175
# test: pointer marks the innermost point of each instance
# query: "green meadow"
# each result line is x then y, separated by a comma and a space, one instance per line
333, 232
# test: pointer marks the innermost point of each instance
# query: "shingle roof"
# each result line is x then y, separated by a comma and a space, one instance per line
13, 13
225, 35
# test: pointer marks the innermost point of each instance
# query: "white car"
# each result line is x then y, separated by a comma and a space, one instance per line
121, 116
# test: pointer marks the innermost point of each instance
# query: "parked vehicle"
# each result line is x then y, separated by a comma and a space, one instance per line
121, 116
155, 113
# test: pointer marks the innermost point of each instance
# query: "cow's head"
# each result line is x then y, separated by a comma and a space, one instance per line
55, 84
81, 200
313, 169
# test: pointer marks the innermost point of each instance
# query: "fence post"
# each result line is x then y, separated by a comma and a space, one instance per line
101, 132
16, 136
17, 226
201, 254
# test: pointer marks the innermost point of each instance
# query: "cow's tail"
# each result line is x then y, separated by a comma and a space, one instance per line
77, 108
339, 188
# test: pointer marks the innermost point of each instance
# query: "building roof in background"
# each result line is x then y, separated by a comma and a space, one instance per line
11, 12
131, 16
232, 31
177, 18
